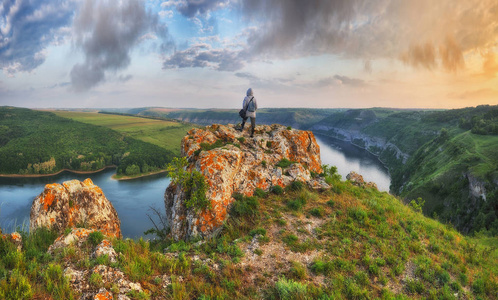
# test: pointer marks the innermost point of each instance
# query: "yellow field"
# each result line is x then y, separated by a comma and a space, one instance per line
165, 134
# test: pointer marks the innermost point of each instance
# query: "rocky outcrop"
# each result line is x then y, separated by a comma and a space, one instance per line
74, 203
477, 188
358, 180
239, 165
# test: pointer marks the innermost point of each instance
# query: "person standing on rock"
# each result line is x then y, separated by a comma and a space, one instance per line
250, 106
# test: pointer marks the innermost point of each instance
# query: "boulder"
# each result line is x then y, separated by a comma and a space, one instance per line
72, 204
239, 164
358, 180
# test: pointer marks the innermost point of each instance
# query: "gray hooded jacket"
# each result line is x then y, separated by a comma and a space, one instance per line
250, 95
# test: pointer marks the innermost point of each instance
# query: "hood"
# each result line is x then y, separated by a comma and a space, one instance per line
249, 92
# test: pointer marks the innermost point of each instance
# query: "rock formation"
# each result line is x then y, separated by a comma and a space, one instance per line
73, 204
358, 180
239, 164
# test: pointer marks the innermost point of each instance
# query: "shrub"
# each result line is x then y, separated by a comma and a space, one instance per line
296, 204
256, 231
296, 185
193, 183
284, 163
289, 289
246, 206
263, 163
417, 205
317, 212
259, 193
95, 238
297, 270
331, 203
16, 286
95, 280
322, 267
277, 190
241, 139
57, 284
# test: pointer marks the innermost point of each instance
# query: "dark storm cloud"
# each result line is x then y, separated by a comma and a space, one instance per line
27, 28
106, 32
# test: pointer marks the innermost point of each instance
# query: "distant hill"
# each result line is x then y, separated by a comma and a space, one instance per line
37, 142
448, 158
294, 117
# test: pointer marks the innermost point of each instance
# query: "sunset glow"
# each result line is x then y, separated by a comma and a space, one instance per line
206, 53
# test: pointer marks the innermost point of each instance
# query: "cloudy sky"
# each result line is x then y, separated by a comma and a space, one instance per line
206, 53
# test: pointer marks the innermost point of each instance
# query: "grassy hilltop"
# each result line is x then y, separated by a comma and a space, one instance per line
348, 242
449, 151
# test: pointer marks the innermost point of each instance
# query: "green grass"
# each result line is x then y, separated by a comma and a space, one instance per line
165, 134
358, 248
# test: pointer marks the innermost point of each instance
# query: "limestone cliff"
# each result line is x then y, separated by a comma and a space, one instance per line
239, 165
74, 203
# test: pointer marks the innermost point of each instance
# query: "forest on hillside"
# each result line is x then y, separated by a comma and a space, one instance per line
38, 142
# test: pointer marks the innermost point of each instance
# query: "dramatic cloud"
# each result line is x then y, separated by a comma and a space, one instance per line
27, 28
374, 29
191, 8
412, 31
107, 31
203, 56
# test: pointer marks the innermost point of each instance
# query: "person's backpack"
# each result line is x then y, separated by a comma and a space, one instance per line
251, 106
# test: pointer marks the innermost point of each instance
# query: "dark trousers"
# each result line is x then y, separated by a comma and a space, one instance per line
253, 123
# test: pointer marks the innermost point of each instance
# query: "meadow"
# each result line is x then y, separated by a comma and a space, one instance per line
165, 134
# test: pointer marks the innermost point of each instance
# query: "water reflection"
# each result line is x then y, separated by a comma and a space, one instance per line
132, 199
347, 158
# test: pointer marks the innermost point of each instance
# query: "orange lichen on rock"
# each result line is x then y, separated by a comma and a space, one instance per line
103, 295
47, 200
64, 205
240, 165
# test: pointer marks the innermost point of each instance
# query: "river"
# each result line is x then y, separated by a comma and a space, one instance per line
133, 198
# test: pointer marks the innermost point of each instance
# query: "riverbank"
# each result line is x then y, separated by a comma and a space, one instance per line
56, 173
114, 177
122, 177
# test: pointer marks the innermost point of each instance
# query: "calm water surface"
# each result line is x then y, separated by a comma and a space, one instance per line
133, 198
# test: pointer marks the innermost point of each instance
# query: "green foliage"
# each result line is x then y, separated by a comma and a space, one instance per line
241, 139
95, 238
277, 190
245, 207
259, 193
56, 283
263, 163
284, 163
318, 212
290, 289
193, 183
96, 280
296, 204
15, 286
36, 142
297, 271
296, 185
417, 205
